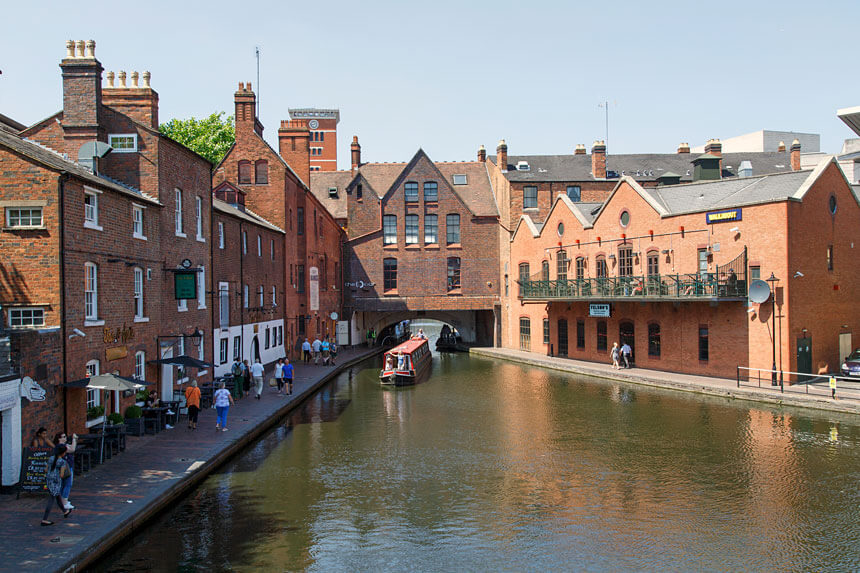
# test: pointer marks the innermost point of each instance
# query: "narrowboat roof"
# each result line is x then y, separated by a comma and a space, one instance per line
409, 346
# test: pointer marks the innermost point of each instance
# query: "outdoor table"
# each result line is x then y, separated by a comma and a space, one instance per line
94, 442
157, 414
116, 430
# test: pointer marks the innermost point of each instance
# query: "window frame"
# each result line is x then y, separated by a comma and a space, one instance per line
223, 305
525, 333
654, 340
198, 217
139, 365
220, 234
115, 149
704, 350
91, 209
300, 220
546, 339
31, 321
223, 348
530, 197
625, 261
435, 229
580, 334
452, 231
245, 176
602, 335
139, 311
454, 274
264, 180
434, 196
91, 291
561, 265
577, 189
389, 224
411, 223
20, 208
137, 218
389, 274
179, 225
410, 192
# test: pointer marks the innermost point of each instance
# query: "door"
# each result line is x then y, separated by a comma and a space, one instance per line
167, 374
844, 349
804, 358
626, 335
255, 350
562, 337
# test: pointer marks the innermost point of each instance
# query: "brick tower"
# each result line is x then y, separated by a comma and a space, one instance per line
322, 124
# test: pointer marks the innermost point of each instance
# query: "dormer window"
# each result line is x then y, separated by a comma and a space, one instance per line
332, 192
460, 180
523, 166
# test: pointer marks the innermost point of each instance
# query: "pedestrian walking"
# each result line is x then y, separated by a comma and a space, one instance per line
288, 375
223, 400
615, 355
246, 380
833, 387
63, 439
626, 354
257, 371
192, 400
306, 351
317, 346
237, 371
324, 351
279, 375
58, 470
332, 349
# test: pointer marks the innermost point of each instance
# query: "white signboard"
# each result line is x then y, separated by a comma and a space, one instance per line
342, 332
315, 288
601, 310
9, 394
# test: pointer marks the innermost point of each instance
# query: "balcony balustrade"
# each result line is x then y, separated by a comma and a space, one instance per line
673, 287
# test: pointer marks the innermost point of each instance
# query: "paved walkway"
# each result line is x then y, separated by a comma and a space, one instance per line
818, 396
116, 497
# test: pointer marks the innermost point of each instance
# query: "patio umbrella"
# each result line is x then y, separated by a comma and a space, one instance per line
108, 383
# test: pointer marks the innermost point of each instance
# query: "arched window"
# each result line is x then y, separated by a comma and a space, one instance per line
389, 275
580, 268
524, 271
245, 172
602, 270
561, 266
544, 271
525, 333
140, 365
261, 172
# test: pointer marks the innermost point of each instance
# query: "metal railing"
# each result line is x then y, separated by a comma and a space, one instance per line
846, 387
670, 287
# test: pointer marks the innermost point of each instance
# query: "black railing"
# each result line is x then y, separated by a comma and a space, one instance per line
674, 287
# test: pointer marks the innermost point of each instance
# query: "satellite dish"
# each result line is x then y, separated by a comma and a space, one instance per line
759, 291
333, 316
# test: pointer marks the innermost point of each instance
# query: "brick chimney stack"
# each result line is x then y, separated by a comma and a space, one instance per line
294, 145
502, 156
580, 149
246, 111
355, 153
82, 93
781, 147
598, 159
136, 101
714, 147
683, 147
795, 155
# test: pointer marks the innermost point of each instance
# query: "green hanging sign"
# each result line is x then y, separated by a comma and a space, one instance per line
185, 285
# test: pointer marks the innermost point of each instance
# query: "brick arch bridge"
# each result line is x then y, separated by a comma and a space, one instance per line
475, 326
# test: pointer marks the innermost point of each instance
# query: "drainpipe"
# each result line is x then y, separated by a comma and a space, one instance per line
61, 192
241, 296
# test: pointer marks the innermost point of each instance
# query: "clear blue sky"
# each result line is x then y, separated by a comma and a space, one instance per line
449, 76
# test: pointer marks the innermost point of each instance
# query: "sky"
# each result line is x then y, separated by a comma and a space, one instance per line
449, 76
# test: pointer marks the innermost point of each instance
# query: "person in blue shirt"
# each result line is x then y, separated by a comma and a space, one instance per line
288, 375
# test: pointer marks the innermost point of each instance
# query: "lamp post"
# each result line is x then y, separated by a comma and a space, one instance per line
773, 280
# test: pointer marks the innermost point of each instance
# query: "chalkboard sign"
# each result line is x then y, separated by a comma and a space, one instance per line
34, 469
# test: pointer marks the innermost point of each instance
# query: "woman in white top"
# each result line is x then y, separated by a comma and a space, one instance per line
223, 400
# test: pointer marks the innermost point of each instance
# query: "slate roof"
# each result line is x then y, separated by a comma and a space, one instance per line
640, 166
477, 194
53, 160
10, 125
246, 215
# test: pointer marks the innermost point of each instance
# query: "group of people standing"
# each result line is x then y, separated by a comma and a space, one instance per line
621, 355
61, 467
324, 351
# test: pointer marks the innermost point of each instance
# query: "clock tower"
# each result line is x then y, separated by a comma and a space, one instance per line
322, 124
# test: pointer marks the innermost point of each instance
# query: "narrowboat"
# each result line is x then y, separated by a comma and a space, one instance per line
407, 363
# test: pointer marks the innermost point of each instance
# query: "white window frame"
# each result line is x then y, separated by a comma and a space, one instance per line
10, 208
201, 287
115, 149
22, 309
272, 248
260, 296
137, 221
220, 235
259, 246
91, 294
224, 305
198, 214
237, 347
182, 305
245, 296
222, 350
177, 214
244, 242
91, 212
140, 365
139, 314
94, 396
274, 296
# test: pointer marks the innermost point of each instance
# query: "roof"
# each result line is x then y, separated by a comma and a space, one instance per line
851, 117
409, 346
640, 166
477, 193
246, 215
53, 160
10, 125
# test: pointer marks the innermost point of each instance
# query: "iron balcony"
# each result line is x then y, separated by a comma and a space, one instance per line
674, 287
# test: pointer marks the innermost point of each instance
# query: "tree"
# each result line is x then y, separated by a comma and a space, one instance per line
210, 137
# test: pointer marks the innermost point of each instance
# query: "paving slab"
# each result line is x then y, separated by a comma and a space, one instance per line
119, 496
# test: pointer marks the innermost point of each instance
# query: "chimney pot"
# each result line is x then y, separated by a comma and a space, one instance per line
683, 147
91, 48
241, 87
580, 149
110, 77
502, 156
121, 77
781, 147
81, 46
134, 78
146, 79
249, 87
482, 154
70, 49
795, 155
598, 159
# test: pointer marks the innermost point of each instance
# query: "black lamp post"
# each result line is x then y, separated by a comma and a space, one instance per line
773, 280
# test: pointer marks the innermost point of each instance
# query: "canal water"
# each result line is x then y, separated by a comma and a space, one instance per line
491, 465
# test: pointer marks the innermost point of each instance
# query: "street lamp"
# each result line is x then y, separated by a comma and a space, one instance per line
195, 337
773, 280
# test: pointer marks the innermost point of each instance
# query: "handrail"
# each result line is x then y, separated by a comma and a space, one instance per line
805, 379
671, 286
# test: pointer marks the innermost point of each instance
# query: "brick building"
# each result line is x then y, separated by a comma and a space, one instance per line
275, 189
248, 255
421, 237
322, 124
667, 270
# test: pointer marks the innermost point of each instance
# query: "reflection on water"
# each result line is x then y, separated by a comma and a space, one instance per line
492, 465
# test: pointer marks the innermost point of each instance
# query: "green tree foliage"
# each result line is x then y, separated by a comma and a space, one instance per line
210, 137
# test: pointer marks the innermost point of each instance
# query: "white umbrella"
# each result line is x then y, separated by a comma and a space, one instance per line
111, 383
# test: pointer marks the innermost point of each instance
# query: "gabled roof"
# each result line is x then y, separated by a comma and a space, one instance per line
10, 125
56, 162
640, 166
246, 215
323, 181
529, 224
646, 194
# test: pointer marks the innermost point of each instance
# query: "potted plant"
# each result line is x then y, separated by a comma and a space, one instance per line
134, 420
140, 398
115, 418
95, 412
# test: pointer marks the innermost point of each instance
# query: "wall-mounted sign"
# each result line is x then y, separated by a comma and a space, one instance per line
728, 216
360, 284
31, 390
124, 334
185, 284
314, 275
116, 353
601, 310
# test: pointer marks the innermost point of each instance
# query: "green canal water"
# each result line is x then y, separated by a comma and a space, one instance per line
490, 465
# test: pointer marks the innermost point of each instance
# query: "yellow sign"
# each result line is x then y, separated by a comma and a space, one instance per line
116, 353
123, 334
833, 383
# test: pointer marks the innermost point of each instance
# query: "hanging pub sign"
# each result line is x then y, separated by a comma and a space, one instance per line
601, 310
185, 284
728, 216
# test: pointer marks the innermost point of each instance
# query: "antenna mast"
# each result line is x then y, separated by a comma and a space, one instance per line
257, 53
